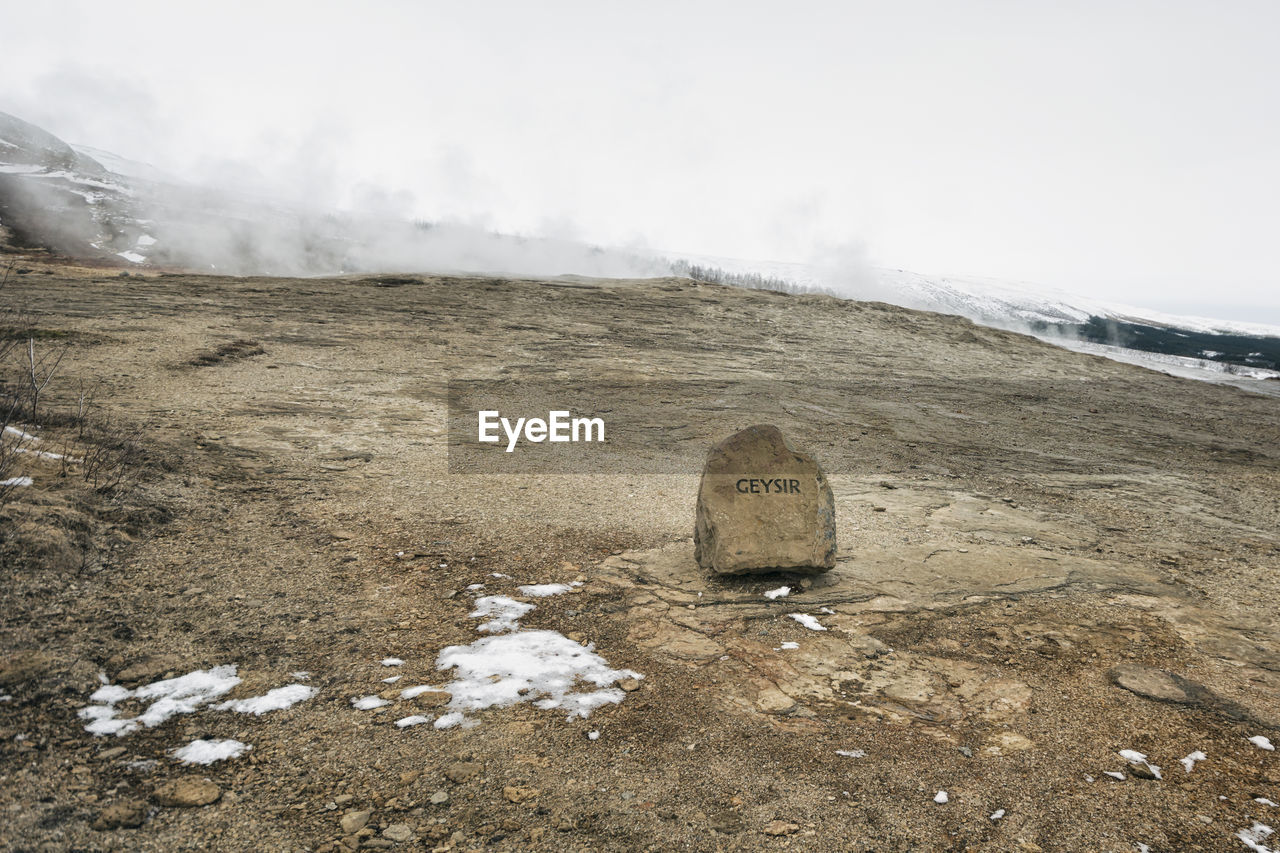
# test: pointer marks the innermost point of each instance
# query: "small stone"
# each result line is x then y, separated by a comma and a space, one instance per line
439, 798
187, 793
868, 646
1151, 683
409, 777
520, 794
780, 827
342, 534
433, 699
461, 771
113, 752
398, 832
630, 685
147, 669
343, 799
353, 822
123, 813
1142, 771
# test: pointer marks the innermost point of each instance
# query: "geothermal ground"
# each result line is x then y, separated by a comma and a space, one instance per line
1045, 559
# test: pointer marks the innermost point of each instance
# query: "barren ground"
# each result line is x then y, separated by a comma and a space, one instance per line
1021, 528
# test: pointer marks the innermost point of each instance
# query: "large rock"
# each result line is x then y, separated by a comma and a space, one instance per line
764, 506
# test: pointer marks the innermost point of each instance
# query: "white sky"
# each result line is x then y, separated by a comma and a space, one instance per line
1122, 150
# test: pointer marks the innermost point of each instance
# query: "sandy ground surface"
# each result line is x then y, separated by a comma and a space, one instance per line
1045, 558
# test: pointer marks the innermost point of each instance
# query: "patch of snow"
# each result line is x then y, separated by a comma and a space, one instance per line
500, 575
500, 671
851, 753
132, 257
780, 592
1262, 742
22, 436
1189, 762
808, 621
16, 481
1255, 835
475, 587
367, 703
146, 240
451, 719
6, 698
941, 797
410, 692
392, 662
168, 697
415, 720
997, 814
300, 675
45, 454
788, 645
392, 680
593, 735
542, 590
1265, 802
1142, 848
506, 613
1113, 774
276, 699
110, 694
209, 751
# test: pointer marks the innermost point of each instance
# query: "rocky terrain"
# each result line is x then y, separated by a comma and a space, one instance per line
1054, 573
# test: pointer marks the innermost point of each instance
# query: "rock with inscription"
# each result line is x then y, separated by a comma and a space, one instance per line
763, 506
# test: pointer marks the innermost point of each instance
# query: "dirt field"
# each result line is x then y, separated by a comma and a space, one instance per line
1045, 558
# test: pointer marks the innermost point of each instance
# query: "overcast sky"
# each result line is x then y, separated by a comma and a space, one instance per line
1122, 150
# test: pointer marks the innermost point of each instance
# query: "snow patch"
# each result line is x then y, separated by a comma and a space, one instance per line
1255, 835
788, 646
1189, 762
368, 703
415, 720
410, 692
542, 590
851, 753
391, 662
1262, 742
16, 481
780, 592
506, 613
941, 797
276, 699
392, 680
168, 697
500, 671
808, 621
997, 814
209, 751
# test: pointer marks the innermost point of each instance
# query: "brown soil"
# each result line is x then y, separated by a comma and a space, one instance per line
1020, 529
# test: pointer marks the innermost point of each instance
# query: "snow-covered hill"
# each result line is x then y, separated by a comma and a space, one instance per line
87, 203
991, 302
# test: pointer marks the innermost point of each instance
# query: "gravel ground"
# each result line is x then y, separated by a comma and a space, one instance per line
1045, 558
